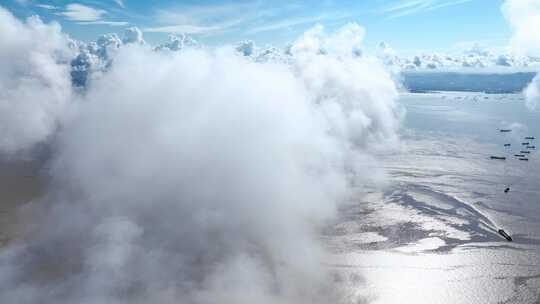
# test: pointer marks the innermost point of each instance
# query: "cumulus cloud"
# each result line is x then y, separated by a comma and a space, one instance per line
345, 42
177, 43
35, 86
532, 93
203, 176
524, 17
387, 55
470, 57
133, 35
470, 61
246, 48
330, 63
95, 58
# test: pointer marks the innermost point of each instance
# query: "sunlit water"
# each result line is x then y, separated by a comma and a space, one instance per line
430, 236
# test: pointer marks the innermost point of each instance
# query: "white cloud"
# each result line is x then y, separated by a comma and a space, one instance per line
444, 4
120, 3
183, 29
290, 22
86, 15
252, 16
195, 28
404, 8
282, 24
83, 13
47, 6
407, 5
532, 93
472, 58
133, 35
34, 87
204, 176
103, 22
524, 18
199, 19
201, 14
345, 42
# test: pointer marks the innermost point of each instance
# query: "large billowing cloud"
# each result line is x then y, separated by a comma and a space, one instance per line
532, 93
333, 76
34, 85
203, 176
524, 17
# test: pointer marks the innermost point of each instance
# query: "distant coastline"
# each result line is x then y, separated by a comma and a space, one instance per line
497, 83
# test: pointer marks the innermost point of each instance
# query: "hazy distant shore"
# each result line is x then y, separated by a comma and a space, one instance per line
497, 83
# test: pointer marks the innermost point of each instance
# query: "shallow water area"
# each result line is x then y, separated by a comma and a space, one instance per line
437, 220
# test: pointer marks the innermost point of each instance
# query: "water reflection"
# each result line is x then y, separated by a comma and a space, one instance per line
431, 235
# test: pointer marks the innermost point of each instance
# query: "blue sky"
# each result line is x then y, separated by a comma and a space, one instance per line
407, 25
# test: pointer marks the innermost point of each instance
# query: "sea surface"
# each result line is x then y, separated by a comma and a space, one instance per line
430, 234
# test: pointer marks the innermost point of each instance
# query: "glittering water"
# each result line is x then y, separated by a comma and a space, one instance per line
430, 235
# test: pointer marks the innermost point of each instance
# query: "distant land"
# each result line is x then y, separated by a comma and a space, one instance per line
480, 82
